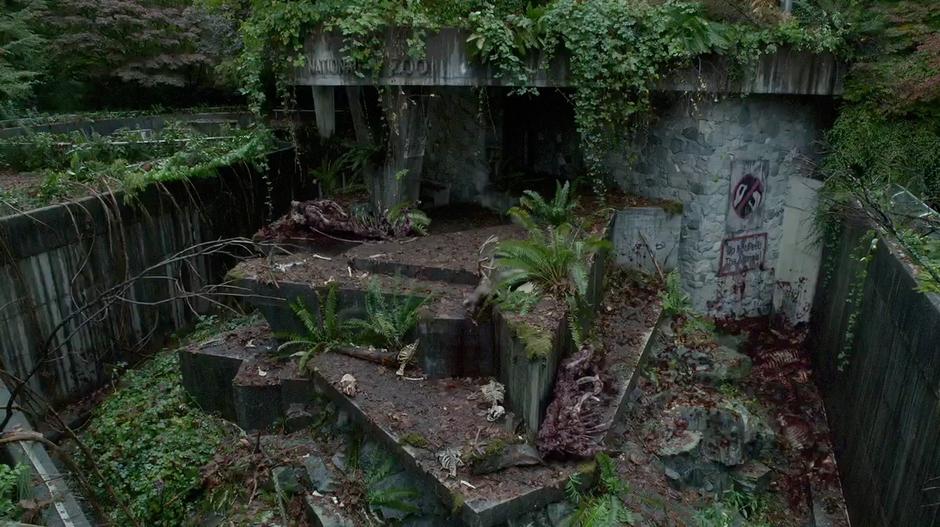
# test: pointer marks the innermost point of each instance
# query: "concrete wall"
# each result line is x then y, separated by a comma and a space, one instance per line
701, 152
58, 259
883, 403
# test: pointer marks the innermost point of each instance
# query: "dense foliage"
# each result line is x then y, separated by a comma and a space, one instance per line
888, 131
71, 54
619, 49
21, 51
72, 164
151, 444
14, 486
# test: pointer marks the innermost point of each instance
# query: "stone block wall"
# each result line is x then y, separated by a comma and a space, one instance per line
693, 152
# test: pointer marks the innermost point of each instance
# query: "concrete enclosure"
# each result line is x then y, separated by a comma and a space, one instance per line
877, 352
736, 152
58, 260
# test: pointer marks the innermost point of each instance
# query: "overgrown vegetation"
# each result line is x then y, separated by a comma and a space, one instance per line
602, 506
618, 50
150, 444
534, 210
74, 164
14, 487
554, 260
65, 55
887, 133
323, 331
735, 508
389, 318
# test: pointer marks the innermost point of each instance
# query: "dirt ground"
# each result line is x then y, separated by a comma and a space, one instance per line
435, 414
779, 388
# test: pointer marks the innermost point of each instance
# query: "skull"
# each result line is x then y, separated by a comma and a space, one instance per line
495, 413
348, 385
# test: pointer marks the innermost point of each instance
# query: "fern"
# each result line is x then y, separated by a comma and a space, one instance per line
675, 301
603, 506
397, 498
317, 337
406, 219
573, 488
388, 319
535, 211
555, 261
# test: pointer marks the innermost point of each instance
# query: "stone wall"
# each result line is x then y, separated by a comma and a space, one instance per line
693, 152
703, 152
57, 260
878, 364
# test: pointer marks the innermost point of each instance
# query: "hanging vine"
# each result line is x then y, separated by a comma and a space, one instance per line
618, 51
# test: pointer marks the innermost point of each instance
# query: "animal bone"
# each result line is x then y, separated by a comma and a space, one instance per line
449, 458
486, 264
348, 385
495, 413
405, 356
494, 393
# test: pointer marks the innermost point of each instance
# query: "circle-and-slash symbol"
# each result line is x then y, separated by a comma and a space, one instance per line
747, 195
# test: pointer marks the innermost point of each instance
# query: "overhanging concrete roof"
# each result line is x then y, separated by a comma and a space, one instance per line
448, 63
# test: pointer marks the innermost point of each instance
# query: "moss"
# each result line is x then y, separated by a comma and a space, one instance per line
414, 439
236, 273
492, 448
457, 501
673, 207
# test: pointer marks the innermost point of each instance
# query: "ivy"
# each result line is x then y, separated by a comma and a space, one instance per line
618, 50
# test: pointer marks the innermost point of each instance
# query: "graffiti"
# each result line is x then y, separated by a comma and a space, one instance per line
742, 254
748, 193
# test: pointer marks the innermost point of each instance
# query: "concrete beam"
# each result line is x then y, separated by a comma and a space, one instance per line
448, 63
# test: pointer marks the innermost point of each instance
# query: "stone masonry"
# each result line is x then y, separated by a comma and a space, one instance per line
686, 155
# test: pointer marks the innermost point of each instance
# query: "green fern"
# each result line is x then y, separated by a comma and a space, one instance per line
603, 506
405, 217
397, 498
320, 334
556, 261
675, 301
389, 318
535, 211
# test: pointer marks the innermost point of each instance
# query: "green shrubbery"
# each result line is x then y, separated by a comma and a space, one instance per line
70, 162
151, 444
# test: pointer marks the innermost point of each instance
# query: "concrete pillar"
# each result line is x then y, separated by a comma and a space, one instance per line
357, 111
324, 103
406, 113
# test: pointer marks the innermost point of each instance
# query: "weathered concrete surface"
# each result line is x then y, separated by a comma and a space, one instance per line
645, 237
47, 482
58, 259
448, 63
883, 402
698, 153
798, 266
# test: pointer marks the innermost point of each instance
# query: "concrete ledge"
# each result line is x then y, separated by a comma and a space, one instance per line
48, 481
448, 63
